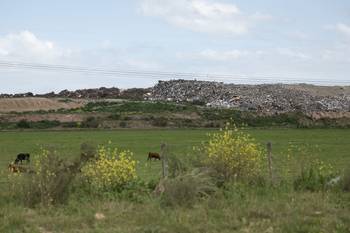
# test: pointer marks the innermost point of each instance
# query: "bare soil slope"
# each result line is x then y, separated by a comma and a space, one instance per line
35, 104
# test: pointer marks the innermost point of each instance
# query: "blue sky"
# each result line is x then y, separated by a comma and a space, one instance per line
306, 41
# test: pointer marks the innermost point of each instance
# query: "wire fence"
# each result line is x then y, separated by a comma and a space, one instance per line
164, 75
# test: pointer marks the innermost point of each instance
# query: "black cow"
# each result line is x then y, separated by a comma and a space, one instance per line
22, 157
153, 155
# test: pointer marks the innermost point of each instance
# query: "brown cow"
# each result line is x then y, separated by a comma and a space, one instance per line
153, 155
17, 168
13, 168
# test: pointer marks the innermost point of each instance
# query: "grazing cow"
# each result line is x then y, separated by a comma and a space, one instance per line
21, 157
153, 155
13, 168
19, 168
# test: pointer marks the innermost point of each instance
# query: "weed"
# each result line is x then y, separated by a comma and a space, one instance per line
186, 189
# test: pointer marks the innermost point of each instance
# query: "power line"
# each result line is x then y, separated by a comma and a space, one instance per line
156, 75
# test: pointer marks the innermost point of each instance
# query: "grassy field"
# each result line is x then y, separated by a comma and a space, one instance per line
238, 208
333, 143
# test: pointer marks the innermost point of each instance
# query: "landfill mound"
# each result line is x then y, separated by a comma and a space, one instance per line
266, 98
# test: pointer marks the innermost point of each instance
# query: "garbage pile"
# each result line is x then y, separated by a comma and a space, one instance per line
263, 98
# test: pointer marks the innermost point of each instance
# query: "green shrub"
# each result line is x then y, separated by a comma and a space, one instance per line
115, 116
160, 122
44, 124
23, 124
301, 166
65, 100
135, 106
48, 181
187, 189
90, 122
176, 166
127, 118
314, 176
210, 124
346, 181
71, 124
123, 124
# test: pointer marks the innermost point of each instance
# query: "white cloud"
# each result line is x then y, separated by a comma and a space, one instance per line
240, 54
300, 35
343, 28
25, 46
202, 15
215, 55
292, 53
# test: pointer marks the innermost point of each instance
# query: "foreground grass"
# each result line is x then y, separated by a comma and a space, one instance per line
253, 210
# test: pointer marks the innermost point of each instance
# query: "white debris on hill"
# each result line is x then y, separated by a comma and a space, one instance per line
262, 98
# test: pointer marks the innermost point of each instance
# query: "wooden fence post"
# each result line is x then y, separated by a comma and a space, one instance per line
269, 159
164, 160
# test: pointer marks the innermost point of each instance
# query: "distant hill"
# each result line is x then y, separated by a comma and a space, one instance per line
266, 98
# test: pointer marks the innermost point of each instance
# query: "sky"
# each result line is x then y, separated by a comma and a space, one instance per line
236, 41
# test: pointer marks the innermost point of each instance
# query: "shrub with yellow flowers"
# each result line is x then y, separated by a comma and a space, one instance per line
111, 170
234, 154
307, 171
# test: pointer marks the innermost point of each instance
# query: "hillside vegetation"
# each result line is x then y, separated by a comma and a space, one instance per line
154, 114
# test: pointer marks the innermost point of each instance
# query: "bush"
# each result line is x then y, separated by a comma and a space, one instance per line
48, 181
301, 166
135, 106
127, 118
23, 124
346, 181
123, 124
314, 176
44, 124
233, 154
176, 166
111, 170
115, 116
160, 122
90, 122
71, 124
186, 189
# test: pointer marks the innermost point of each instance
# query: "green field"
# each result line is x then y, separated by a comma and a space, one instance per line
334, 144
236, 208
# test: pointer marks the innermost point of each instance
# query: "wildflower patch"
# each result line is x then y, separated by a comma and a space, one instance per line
111, 170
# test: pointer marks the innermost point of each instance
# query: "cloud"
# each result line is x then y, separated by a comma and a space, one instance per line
343, 28
202, 15
240, 54
215, 55
300, 35
292, 53
26, 46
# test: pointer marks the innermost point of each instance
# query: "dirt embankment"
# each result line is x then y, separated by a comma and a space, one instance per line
35, 104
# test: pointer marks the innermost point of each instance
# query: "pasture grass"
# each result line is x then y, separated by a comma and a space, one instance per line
237, 208
334, 144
